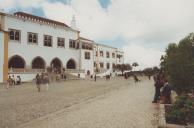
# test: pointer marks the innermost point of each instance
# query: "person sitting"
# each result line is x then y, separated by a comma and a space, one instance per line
165, 93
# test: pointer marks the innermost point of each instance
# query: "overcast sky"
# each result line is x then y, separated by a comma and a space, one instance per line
141, 28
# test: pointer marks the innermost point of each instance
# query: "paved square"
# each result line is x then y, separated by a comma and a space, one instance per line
117, 103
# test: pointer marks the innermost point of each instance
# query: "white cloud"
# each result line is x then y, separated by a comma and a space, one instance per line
8, 5
145, 57
148, 21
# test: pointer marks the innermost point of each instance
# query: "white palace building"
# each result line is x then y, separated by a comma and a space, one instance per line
31, 44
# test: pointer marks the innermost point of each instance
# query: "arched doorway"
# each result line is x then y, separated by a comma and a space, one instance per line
38, 63
56, 63
16, 62
71, 64
88, 72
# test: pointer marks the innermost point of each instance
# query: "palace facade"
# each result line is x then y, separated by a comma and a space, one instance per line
30, 44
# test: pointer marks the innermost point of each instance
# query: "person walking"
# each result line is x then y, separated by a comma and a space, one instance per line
13, 80
158, 83
95, 77
38, 82
46, 78
9, 82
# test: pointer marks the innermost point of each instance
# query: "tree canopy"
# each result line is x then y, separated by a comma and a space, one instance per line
178, 64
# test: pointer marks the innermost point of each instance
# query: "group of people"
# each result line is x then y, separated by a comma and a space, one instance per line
13, 81
42, 79
94, 76
162, 89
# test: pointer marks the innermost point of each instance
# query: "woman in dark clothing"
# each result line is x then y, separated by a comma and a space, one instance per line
165, 94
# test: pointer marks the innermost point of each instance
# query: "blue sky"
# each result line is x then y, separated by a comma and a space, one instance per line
141, 28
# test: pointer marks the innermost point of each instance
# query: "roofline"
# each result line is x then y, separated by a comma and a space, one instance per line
14, 16
82, 38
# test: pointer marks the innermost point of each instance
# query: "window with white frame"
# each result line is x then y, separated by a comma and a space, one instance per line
113, 55
87, 55
72, 43
48, 40
107, 65
14, 34
101, 65
60, 42
32, 38
107, 55
101, 53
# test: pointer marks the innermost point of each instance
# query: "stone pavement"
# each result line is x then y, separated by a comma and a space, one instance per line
126, 107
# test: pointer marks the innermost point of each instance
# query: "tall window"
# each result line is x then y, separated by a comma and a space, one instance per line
60, 42
101, 53
113, 55
94, 64
101, 65
87, 55
14, 35
113, 66
48, 40
72, 43
107, 65
96, 53
107, 55
32, 38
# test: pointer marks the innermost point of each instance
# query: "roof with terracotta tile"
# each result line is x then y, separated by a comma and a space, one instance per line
38, 18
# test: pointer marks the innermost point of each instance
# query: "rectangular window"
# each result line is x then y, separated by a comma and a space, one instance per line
72, 43
113, 55
48, 40
107, 65
107, 55
94, 64
96, 53
87, 46
101, 53
60, 42
101, 65
14, 34
87, 55
32, 38
119, 56
113, 66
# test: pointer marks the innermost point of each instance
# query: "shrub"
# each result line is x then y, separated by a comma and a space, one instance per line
182, 111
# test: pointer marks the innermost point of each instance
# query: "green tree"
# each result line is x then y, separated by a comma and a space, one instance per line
178, 65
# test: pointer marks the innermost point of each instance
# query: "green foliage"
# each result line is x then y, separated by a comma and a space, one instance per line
135, 64
178, 64
150, 71
182, 111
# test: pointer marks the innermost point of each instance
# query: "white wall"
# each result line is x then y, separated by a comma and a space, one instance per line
29, 51
104, 59
28, 77
87, 64
1, 55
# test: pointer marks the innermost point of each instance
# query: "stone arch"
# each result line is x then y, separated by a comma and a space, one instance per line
56, 63
38, 63
16, 61
71, 64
